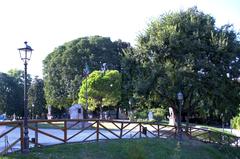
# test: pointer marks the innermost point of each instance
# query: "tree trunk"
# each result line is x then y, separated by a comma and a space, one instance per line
101, 112
187, 121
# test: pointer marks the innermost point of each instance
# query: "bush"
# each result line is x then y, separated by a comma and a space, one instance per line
235, 122
141, 114
158, 115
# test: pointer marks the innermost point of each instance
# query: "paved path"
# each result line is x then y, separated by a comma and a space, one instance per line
234, 132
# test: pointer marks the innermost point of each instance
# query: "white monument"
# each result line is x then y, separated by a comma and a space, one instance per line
49, 114
150, 116
76, 111
171, 116
14, 117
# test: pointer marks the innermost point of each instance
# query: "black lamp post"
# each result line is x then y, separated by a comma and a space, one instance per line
103, 69
180, 104
25, 55
86, 72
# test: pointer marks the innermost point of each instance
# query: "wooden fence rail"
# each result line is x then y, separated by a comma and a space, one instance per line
50, 132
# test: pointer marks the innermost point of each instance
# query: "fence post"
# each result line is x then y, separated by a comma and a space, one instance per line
175, 135
121, 130
36, 135
140, 130
190, 132
97, 131
65, 131
158, 130
21, 135
237, 141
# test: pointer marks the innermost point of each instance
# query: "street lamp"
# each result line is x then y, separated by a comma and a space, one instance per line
103, 69
25, 55
86, 72
130, 102
33, 111
180, 104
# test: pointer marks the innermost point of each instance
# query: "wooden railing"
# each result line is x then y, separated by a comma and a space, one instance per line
210, 136
51, 132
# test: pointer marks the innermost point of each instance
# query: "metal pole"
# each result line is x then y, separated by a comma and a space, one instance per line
25, 122
180, 124
87, 97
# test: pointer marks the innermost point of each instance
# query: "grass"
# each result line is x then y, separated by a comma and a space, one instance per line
132, 149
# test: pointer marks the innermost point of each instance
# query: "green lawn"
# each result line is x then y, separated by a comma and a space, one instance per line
132, 149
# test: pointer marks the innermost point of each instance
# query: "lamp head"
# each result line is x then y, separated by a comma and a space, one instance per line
180, 96
25, 52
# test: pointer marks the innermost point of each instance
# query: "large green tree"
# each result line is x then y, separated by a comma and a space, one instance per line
11, 95
103, 89
36, 97
184, 51
63, 68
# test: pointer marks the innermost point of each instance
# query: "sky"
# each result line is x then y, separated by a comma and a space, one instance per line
47, 24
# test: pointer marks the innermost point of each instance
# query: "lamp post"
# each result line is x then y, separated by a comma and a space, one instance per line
25, 55
33, 111
103, 69
180, 104
86, 72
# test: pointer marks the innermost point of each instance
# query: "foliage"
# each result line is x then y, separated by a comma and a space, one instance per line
158, 113
184, 51
129, 70
122, 149
11, 97
235, 122
104, 89
36, 97
142, 115
63, 68
19, 76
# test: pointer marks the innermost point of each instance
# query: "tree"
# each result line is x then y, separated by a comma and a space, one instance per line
36, 97
185, 51
19, 76
104, 89
63, 68
11, 97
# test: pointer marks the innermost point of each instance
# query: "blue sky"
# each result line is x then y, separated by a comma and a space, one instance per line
47, 24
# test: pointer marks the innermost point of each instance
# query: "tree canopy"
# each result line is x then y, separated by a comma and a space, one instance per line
36, 97
103, 89
63, 68
11, 98
185, 51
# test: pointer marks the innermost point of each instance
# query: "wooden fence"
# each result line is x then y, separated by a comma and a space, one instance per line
51, 132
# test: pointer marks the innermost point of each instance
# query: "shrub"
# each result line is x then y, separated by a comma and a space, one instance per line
158, 113
235, 122
141, 114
